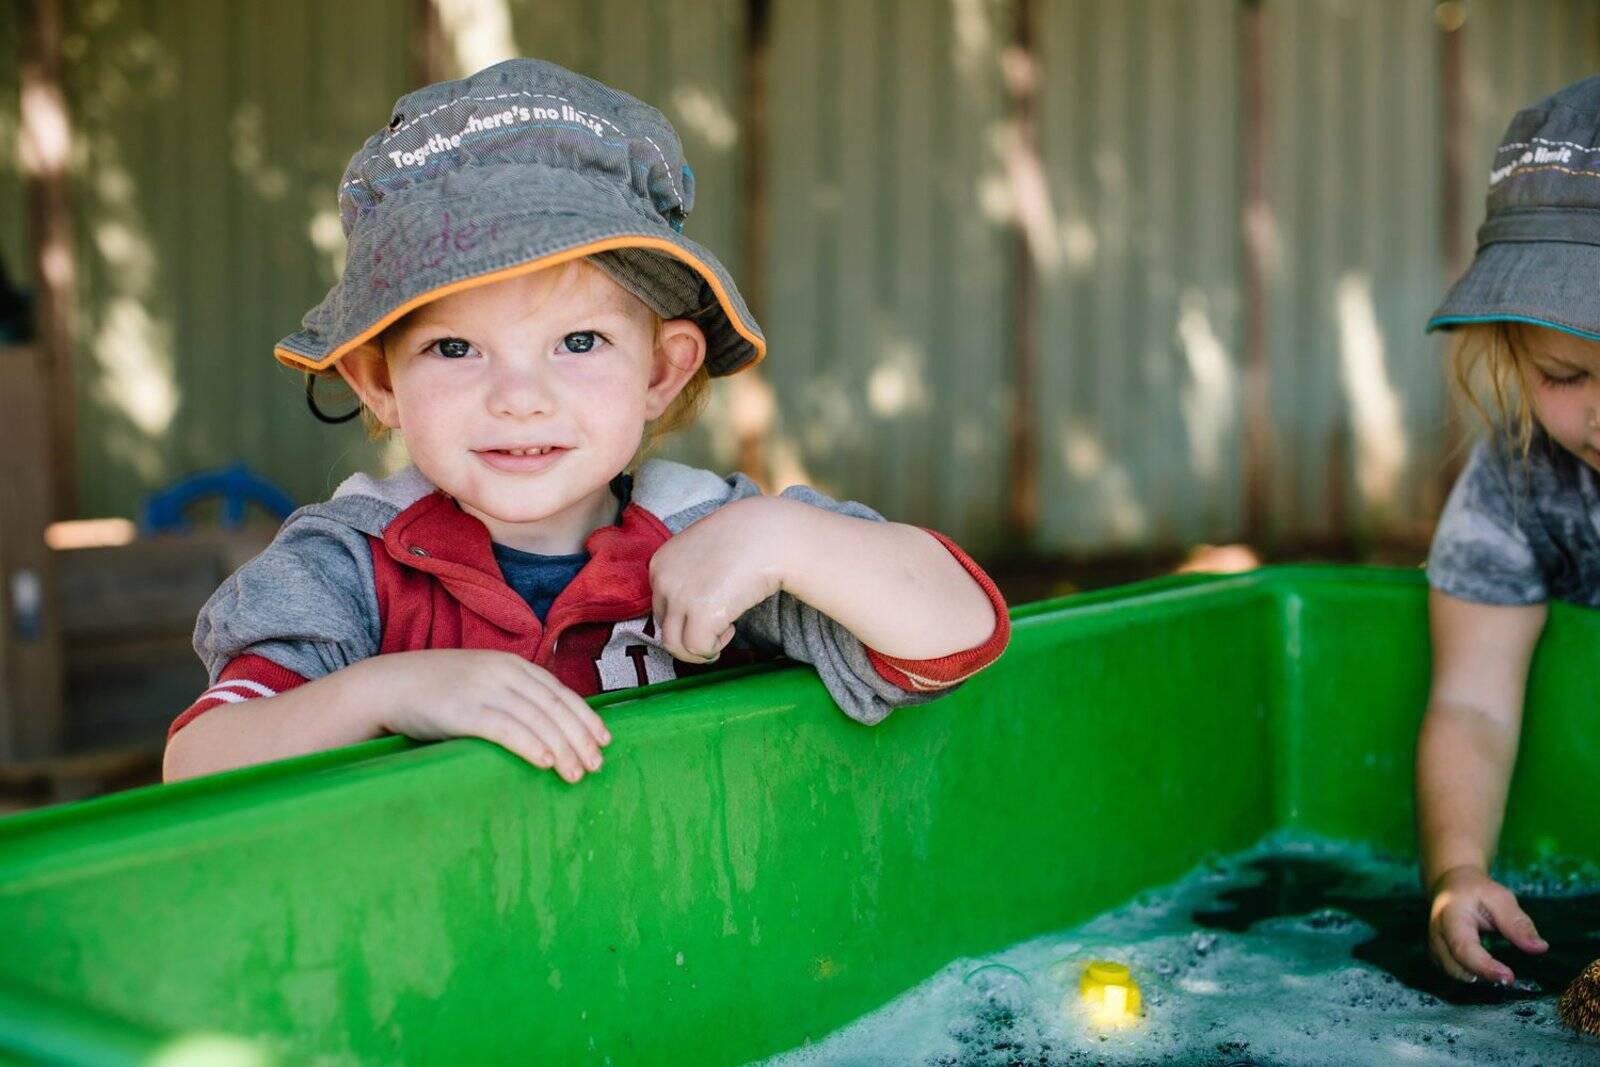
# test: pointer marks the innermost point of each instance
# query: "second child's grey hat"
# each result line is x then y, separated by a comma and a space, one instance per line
1538, 258
521, 166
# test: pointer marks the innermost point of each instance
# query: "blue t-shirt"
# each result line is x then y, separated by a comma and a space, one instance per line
538, 579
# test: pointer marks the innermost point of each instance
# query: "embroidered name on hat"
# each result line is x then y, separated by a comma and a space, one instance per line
516, 115
414, 248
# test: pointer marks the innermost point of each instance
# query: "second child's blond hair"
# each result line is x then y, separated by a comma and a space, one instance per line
1489, 364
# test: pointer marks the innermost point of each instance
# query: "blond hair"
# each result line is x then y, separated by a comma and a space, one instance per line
1490, 367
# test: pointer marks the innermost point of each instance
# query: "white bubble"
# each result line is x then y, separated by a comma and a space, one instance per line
1283, 989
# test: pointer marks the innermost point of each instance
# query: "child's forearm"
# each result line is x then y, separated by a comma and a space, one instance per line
894, 586
1464, 762
1468, 742
328, 712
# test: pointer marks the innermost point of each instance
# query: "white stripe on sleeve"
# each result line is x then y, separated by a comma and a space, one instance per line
248, 686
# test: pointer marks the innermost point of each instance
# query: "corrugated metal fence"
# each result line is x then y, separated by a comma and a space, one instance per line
1139, 406
207, 226
209, 152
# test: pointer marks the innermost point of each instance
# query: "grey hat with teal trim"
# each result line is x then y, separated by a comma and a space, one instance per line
1538, 257
521, 166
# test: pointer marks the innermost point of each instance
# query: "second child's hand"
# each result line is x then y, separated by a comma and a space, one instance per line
1467, 904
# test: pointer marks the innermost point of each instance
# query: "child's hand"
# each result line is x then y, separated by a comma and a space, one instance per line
713, 572
497, 696
1466, 904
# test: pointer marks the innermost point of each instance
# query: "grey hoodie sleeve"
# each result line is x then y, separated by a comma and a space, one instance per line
308, 602
782, 623
787, 624
1480, 551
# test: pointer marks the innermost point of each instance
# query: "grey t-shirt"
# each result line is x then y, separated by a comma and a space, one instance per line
1520, 530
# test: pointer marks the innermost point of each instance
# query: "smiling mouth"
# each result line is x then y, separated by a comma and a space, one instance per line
522, 451
527, 459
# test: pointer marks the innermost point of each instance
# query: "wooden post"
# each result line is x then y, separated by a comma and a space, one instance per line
46, 153
1022, 91
428, 63
1451, 17
748, 388
1257, 235
31, 715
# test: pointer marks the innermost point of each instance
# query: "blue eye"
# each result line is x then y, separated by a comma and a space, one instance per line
580, 342
452, 347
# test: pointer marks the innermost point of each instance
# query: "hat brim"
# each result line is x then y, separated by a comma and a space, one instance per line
428, 247
1546, 283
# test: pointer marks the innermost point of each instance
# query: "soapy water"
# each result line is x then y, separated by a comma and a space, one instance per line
1294, 953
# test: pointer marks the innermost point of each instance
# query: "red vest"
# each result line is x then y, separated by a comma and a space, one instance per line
439, 587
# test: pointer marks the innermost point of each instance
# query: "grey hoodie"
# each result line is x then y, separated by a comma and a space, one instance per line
345, 579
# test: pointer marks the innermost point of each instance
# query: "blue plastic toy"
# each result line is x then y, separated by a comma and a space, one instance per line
238, 486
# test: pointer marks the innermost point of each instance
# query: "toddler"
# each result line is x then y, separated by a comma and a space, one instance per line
1522, 525
520, 303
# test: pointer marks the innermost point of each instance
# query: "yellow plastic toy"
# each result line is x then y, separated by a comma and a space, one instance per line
1109, 988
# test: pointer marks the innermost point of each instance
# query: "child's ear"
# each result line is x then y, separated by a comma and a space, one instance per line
366, 371
679, 353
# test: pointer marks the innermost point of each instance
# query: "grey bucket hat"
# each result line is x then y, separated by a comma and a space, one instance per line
521, 166
1538, 256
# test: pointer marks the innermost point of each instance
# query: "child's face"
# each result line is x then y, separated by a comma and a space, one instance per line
561, 365
1562, 376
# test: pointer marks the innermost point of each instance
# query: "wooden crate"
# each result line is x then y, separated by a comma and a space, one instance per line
127, 615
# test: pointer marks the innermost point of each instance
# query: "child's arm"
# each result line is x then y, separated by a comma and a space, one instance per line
429, 695
291, 644
898, 590
1465, 753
